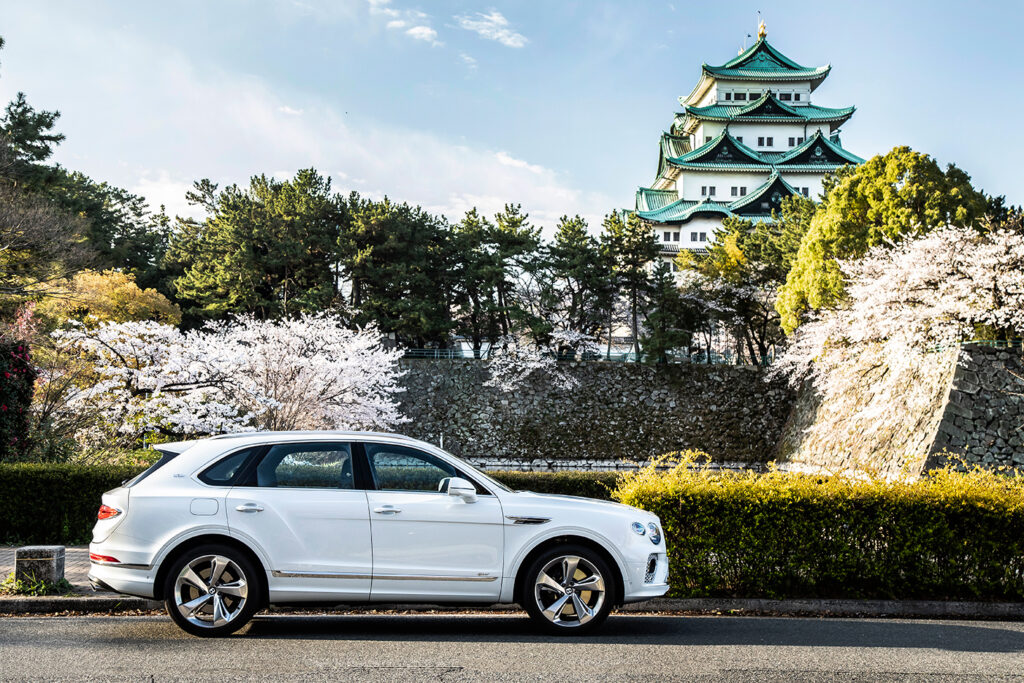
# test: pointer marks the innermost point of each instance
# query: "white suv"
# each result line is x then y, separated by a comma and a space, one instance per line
221, 527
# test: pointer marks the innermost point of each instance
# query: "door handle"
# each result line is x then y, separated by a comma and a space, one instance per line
387, 510
249, 507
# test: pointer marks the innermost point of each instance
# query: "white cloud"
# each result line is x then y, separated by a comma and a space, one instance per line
291, 111
424, 33
506, 160
160, 189
396, 23
470, 62
492, 26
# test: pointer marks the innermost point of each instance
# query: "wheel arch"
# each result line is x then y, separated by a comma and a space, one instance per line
568, 538
186, 544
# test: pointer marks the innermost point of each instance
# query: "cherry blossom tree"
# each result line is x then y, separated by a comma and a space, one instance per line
308, 372
902, 300
514, 361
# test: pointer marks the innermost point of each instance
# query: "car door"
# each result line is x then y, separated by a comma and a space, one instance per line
300, 504
427, 544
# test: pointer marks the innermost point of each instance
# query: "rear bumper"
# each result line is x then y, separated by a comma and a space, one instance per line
127, 580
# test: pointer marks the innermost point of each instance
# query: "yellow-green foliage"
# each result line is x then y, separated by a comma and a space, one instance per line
110, 296
949, 535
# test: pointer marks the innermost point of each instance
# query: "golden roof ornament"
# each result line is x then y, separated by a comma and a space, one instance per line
761, 30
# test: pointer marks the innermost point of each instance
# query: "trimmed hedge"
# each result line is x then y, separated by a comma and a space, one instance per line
57, 503
948, 536
54, 503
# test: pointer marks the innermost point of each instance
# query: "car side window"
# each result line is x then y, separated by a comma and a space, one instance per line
307, 465
227, 471
397, 468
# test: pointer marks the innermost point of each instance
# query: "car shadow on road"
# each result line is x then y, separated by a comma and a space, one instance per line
654, 630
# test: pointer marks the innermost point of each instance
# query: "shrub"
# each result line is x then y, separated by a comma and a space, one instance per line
949, 535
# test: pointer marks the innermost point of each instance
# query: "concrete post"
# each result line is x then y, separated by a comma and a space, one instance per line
39, 563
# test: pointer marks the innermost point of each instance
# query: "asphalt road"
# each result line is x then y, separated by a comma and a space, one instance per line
504, 647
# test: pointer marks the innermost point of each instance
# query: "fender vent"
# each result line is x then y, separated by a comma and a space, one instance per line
652, 567
528, 520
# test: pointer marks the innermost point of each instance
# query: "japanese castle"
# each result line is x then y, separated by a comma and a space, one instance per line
747, 137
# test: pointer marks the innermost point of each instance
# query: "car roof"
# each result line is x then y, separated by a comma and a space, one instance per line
257, 437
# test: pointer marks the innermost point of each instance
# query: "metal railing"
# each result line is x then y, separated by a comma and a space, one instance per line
701, 358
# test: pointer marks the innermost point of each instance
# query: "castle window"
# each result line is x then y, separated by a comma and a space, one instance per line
666, 235
741, 96
728, 96
785, 97
693, 237
743, 192
760, 142
703, 190
771, 142
675, 235
739, 138
707, 139
796, 96
799, 141
703, 237
792, 142
711, 191
735, 191
806, 191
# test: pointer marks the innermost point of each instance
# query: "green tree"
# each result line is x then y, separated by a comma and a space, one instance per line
269, 249
892, 196
576, 284
670, 318
398, 260
631, 246
478, 271
515, 248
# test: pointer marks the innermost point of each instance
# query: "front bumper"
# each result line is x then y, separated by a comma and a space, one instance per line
644, 581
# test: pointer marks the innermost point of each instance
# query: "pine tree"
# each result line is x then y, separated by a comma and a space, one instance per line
631, 246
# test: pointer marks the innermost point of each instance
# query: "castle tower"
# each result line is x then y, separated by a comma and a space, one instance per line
748, 137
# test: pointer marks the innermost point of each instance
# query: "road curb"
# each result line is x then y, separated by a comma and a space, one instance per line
86, 604
834, 608
111, 604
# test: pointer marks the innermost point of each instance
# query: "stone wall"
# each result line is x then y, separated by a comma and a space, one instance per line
983, 420
899, 421
621, 413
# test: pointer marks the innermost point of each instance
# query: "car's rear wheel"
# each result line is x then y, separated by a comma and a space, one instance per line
568, 590
212, 590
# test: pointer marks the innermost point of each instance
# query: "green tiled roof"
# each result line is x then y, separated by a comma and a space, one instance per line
761, 61
652, 200
656, 205
820, 150
726, 153
671, 147
769, 108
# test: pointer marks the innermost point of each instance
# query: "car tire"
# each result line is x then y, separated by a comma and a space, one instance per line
220, 609
555, 590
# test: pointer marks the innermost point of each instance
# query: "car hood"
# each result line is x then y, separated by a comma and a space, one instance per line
529, 502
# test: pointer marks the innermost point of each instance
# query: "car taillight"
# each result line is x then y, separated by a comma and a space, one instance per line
106, 512
102, 558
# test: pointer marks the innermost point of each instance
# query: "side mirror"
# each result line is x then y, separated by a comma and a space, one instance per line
457, 486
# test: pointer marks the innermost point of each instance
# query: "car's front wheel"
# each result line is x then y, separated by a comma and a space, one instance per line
569, 590
212, 590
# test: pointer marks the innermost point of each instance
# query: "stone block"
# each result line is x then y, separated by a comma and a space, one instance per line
39, 563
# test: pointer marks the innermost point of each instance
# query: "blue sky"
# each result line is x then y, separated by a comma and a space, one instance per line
557, 105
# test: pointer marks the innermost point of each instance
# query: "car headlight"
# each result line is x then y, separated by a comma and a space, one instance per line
655, 533
639, 528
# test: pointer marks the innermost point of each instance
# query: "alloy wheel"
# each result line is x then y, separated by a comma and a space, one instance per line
569, 591
210, 591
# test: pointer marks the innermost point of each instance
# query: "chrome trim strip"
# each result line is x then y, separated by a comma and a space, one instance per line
318, 575
277, 573
122, 565
528, 520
